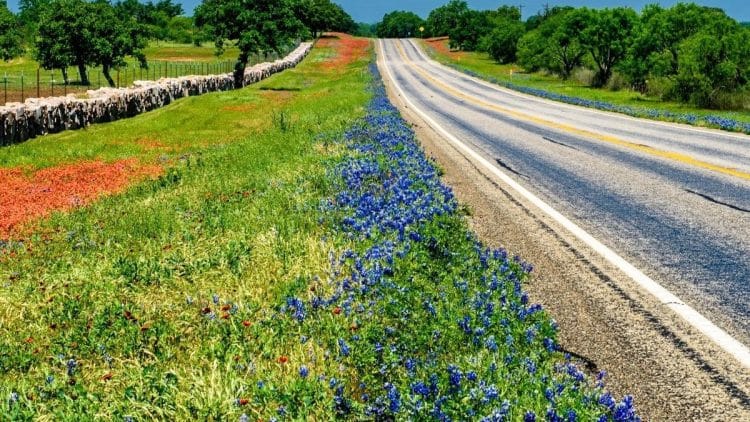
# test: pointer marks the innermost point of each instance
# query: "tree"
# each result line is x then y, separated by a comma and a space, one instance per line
444, 19
78, 33
556, 43
258, 26
608, 36
113, 39
10, 34
502, 43
399, 24
322, 15
655, 48
28, 16
712, 62
62, 42
470, 28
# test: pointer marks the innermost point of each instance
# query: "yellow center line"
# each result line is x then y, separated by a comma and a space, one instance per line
674, 156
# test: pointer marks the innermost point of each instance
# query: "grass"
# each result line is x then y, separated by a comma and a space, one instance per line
487, 68
299, 259
107, 285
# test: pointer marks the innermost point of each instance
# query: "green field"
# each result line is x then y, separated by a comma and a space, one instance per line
245, 167
485, 66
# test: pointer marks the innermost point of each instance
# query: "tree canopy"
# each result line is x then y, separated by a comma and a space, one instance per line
10, 34
79, 33
258, 26
399, 24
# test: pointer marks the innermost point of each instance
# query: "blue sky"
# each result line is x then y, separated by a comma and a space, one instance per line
373, 10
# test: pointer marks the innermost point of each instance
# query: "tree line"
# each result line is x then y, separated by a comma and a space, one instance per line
60, 34
687, 52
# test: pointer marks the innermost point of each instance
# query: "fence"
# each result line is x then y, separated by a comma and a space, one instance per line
17, 87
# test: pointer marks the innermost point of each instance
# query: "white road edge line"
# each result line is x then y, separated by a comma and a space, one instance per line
720, 337
502, 89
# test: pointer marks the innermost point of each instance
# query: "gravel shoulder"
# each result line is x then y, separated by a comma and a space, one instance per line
606, 322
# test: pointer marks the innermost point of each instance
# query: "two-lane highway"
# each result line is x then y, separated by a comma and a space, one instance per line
672, 200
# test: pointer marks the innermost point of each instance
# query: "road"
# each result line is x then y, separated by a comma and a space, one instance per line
672, 200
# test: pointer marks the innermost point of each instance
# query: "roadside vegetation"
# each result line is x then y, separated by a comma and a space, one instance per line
682, 63
291, 255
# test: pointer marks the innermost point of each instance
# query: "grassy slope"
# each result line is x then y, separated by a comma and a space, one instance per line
485, 66
241, 181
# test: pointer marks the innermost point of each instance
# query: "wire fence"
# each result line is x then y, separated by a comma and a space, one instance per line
18, 86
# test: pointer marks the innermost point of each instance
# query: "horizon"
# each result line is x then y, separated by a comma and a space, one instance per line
372, 12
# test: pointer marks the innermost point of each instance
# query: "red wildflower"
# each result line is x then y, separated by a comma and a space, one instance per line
27, 196
283, 359
336, 310
247, 323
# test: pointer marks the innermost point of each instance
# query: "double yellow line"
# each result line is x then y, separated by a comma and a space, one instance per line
674, 156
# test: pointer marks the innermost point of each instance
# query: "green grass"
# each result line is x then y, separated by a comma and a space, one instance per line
108, 284
485, 66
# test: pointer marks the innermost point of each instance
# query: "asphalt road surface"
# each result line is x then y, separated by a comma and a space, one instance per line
672, 200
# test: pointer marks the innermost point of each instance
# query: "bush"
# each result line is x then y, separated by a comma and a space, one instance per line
616, 82
660, 87
584, 76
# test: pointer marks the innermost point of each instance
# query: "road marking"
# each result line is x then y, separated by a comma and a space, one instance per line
509, 91
673, 156
720, 337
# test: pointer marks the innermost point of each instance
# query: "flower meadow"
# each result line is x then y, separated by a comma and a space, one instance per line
316, 270
718, 122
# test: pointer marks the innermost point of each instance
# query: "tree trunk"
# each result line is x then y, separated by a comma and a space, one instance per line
239, 70
105, 71
64, 71
82, 73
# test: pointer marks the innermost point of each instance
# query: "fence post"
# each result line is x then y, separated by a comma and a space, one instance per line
37, 83
118, 78
52, 82
5, 83
22, 98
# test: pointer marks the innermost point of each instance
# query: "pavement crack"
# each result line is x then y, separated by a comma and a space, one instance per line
716, 201
559, 143
502, 164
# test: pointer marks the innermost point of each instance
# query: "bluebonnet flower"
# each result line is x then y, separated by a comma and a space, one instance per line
49, 379
454, 376
244, 418
490, 343
303, 371
343, 348
215, 299
71, 366
393, 397
12, 399
127, 418
297, 307
529, 417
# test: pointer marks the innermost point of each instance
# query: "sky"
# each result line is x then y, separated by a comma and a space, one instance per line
372, 11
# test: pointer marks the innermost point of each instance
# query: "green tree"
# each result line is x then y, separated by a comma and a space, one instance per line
470, 28
29, 14
78, 33
322, 15
655, 48
502, 43
555, 44
10, 34
258, 26
607, 37
444, 19
62, 40
399, 24
113, 39
712, 63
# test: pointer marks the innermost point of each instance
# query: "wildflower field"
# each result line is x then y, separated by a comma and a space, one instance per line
295, 258
634, 104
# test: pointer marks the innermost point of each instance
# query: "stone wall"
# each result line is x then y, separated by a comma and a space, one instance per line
40, 116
